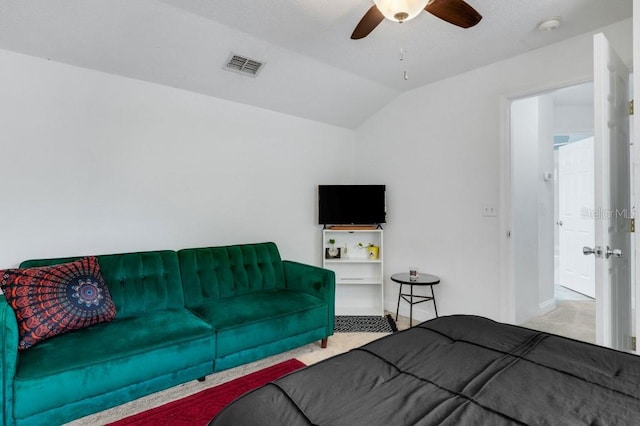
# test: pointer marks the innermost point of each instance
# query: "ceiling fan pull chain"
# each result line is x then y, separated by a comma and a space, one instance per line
403, 51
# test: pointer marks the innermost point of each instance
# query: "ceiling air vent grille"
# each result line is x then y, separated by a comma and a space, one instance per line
243, 65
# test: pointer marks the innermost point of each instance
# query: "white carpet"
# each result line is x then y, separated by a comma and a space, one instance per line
574, 319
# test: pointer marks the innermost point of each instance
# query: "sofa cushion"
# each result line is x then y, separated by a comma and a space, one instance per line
112, 356
139, 282
218, 272
53, 300
252, 320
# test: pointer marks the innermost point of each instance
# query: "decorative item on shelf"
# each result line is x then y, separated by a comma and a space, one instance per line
373, 251
332, 252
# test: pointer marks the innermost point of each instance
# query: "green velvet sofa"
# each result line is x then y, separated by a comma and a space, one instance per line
180, 316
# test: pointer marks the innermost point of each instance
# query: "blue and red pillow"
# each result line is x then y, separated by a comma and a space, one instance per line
52, 300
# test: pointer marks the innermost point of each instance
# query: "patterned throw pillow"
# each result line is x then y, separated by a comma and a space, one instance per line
52, 300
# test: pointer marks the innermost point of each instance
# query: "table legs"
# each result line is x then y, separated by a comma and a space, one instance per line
435, 308
411, 302
411, 308
399, 296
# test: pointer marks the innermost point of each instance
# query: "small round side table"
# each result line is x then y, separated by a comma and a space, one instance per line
422, 279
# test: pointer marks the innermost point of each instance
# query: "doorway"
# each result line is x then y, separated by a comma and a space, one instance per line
617, 304
551, 169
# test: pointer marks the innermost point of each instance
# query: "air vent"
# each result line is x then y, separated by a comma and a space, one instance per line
243, 65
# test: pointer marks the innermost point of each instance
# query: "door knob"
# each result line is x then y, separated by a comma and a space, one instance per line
597, 250
613, 252
559, 223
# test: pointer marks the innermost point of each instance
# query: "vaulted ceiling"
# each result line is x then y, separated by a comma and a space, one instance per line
312, 69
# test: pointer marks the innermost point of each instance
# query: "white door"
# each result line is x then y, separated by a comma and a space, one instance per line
612, 197
576, 216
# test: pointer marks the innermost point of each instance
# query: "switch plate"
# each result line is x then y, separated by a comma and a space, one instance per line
489, 210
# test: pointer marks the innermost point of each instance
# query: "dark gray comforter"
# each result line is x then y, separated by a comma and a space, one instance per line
457, 370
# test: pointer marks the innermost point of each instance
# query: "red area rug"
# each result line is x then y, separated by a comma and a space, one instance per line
201, 407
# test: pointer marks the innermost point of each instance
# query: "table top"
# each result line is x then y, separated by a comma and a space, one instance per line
423, 279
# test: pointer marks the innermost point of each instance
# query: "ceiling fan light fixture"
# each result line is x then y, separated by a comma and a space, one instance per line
400, 10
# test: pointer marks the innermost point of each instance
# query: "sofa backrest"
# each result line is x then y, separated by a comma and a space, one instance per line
212, 273
138, 282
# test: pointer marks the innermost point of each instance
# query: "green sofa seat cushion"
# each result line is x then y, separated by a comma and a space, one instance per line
109, 356
251, 320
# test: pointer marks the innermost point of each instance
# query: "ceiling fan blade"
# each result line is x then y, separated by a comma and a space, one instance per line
369, 21
456, 12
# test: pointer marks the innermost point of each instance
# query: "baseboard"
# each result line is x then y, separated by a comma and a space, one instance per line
547, 306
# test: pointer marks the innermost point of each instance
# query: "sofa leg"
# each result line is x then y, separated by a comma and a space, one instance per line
323, 343
202, 379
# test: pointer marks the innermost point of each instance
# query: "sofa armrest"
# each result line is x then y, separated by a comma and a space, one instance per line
8, 358
317, 281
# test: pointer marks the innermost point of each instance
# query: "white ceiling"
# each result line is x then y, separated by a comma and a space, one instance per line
312, 68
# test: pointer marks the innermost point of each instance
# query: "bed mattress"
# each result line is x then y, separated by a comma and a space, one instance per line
456, 370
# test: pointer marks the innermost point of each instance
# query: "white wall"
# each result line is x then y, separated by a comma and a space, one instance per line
95, 163
571, 119
532, 205
545, 192
440, 149
527, 208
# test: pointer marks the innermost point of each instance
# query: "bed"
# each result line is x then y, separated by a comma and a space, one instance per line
455, 370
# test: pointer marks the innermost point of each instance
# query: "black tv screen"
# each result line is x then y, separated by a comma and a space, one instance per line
351, 204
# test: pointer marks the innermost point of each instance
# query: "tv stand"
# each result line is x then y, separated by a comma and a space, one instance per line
359, 277
353, 227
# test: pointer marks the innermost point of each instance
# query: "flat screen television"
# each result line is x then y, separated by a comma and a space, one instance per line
351, 204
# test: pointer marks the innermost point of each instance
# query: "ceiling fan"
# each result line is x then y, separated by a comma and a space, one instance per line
456, 12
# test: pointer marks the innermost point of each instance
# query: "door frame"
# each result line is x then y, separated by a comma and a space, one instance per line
635, 163
507, 250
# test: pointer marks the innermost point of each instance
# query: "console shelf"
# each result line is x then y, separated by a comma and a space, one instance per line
359, 277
